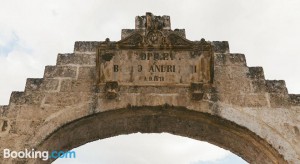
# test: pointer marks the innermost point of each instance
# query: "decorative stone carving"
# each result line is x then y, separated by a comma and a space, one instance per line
151, 22
107, 56
196, 91
111, 89
155, 55
175, 39
133, 40
154, 22
155, 38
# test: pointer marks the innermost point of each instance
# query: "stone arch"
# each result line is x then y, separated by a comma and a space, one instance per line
238, 99
174, 120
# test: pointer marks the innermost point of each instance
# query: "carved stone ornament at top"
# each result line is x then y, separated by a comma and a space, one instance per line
154, 22
155, 38
177, 40
134, 40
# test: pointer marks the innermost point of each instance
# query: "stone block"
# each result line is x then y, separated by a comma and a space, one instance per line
25, 127
232, 99
86, 46
295, 99
230, 59
88, 73
3, 110
256, 73
255, 100
63, 99
21, 98
180, 32
221, 73
258, 86
126, 32
12, 112
220, 59
279, 100
245, 100
220, 46
60, 71
276, 86
29, 112
236, 59
225, 73
231, 86
69, 85
38, 84
211, 94
238, 73
77, 59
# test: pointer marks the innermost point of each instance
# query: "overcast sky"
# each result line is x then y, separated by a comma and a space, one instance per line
33, 32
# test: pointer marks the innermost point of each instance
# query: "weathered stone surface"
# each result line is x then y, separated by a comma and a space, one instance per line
3, 109
230, 59
21, 98
87, 72
31, 112
152, 22
64, 99
222, 101
70, 85
191, 124
237, 59
3, 126
126, 32
76, 59
256, 73
60, 71
229, 86
256, 100
258, 86
87, 47
25, 127
295, 99
276, 86
279, 100
221, 46
41, 84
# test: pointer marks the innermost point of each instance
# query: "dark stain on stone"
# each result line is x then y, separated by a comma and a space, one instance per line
111, 89
107, 56
296, 130
4, 126
196, 91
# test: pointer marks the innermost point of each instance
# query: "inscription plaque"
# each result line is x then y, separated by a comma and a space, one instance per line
155, 55
155, 67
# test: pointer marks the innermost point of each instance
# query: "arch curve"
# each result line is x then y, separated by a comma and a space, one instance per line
174, 120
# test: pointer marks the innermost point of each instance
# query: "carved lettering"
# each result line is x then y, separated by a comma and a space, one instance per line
153, 53
156, 56
193, 69
140, 68
116, 68
162, 68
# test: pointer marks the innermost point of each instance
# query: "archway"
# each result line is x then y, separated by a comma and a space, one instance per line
174, 120
149, 148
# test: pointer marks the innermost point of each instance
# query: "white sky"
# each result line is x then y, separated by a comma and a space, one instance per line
33, 32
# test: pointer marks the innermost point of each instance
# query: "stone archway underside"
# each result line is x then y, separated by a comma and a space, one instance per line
174, 120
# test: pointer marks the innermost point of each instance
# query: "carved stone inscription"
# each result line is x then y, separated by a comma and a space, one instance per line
154, 67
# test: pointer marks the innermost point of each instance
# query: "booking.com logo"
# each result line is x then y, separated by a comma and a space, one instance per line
44, 155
